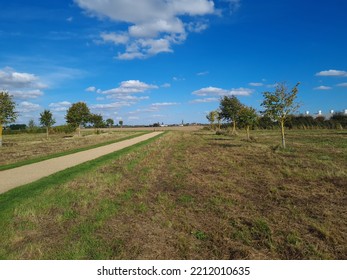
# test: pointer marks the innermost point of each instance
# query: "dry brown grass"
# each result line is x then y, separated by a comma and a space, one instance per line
195, 195
21, 147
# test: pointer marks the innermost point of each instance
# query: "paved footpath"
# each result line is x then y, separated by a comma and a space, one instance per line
26, 174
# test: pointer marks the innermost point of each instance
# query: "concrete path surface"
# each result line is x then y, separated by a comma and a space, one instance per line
19, 176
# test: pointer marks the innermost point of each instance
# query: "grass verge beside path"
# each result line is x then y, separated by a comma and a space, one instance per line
34, 160
38, 195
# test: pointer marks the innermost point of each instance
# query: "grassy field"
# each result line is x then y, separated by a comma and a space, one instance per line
26, 147
189, 195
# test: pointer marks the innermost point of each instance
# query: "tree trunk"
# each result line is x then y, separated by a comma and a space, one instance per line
0, 135
47, 132
234, 127
283, 136
79, 130
247, 129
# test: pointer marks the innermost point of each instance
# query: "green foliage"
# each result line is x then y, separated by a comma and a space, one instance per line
340, 118
211, 117
109, 122
230, 107
78, 114
200, 235
97, 121
46, 119
31, 125
247, 117
18, 126
68, 128
7, 109
121, 123
280, 104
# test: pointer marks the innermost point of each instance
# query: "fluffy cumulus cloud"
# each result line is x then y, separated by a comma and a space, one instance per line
27, 107
213, 91
126, 94
130, 87
205, 100
153, 26
21, 85
332, 73
111, 106
60, 106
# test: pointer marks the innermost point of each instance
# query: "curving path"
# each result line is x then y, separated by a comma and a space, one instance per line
16, 177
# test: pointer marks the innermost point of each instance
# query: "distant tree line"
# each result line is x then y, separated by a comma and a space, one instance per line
77, 115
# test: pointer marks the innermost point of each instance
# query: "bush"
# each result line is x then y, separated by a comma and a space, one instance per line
68, 128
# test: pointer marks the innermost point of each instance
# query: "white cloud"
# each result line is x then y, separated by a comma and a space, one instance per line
166, 85
118, 39
154, 26
26, 107
256, 84
91, 89
60, 106
211, 91
196, 27
342, 85
178, 79
202, 73
21, 85
126, 97
29, 94
164, 104
205, 100
131, 86
332, 73
323, 88
233, 4
111, 106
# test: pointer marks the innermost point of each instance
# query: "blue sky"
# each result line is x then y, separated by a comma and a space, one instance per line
167, 61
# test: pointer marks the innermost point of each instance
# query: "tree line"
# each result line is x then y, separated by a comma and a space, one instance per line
76, 116
279, 112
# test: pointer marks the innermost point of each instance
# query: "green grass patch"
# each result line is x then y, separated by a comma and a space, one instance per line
35, 160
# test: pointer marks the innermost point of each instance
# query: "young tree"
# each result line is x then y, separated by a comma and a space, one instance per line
78, 114
97, 121
121, 123
109, 122
280, 104
230, 108
31, 125
247, 117
219, 118
7, 111
46, 120
211, 117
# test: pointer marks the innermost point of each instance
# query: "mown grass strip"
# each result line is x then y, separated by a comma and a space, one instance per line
35, 160
15, 196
